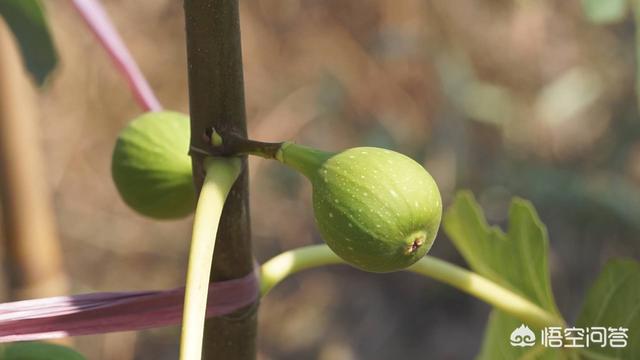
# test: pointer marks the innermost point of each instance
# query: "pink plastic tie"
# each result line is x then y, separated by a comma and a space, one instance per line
96, 313
97, 19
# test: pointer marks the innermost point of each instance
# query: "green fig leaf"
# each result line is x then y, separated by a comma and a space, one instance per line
516, 260
27, 21
605, 11
614, 301
38, 351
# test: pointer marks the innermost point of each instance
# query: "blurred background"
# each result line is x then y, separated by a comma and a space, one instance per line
504, 97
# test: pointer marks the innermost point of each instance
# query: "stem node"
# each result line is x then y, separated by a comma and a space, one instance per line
233, 144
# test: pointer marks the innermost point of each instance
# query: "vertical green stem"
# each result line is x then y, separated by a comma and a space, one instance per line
221, 174
216, 99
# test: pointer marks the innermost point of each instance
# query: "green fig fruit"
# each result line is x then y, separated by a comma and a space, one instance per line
151, 166
377, 209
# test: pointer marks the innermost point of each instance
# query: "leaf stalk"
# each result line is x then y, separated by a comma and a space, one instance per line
293, 261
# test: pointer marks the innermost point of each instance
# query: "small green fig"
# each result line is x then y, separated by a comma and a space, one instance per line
377, 209
151, 166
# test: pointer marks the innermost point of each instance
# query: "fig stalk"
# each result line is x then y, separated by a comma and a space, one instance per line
291, 262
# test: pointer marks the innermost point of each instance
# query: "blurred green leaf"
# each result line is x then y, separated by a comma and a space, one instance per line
496, 343
27, 21
614, 301
517, 260
605, 11
38, 351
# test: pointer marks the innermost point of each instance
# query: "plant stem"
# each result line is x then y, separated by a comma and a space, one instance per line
216, 99
291, 262
221, 173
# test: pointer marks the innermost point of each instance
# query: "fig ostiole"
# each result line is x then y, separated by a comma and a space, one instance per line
377, 209
151, 167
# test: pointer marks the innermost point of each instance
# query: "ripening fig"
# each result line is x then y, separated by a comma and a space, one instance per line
151, 166
377, 209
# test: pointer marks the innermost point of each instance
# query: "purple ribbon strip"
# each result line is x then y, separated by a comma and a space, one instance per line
96, 313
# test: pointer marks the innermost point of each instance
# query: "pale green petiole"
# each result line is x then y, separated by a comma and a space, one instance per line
221, 174
290, 262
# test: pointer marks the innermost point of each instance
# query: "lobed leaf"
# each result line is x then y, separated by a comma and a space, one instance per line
517, 259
